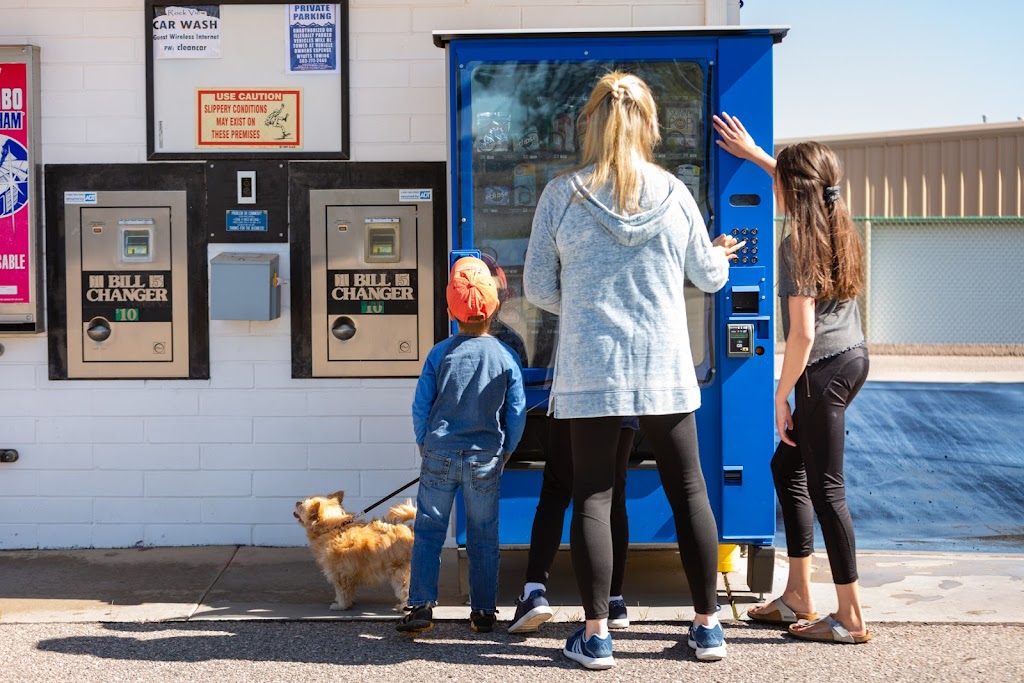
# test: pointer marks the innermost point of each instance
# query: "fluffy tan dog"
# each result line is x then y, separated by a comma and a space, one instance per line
356, 553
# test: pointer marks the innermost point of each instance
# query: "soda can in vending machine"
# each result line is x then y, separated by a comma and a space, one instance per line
563, 130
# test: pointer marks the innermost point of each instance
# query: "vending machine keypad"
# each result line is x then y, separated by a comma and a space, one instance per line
748, 252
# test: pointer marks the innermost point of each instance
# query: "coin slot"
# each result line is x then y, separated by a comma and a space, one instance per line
744, 200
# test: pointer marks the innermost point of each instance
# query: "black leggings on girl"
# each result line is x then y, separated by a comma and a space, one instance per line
594, 454
809, 476
555, 496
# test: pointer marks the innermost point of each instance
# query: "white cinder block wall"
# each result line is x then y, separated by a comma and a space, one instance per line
158, 463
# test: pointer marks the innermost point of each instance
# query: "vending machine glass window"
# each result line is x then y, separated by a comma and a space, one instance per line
526, 130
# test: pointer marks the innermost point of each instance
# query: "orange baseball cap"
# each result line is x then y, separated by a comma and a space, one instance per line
472, 296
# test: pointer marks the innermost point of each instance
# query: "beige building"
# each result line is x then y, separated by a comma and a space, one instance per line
937, 172
941, 214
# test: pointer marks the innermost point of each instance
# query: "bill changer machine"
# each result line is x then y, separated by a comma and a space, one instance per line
365, 267
514, 103
371, 292
126, 287
133, 282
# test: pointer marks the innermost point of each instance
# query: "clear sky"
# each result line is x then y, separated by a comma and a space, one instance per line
862, 66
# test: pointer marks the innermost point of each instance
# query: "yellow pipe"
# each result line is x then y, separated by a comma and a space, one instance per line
728, 557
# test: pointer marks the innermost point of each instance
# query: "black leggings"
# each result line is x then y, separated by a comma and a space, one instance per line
809, 476
555, 495
594, 455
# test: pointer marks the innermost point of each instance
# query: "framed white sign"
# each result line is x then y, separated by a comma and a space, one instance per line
246, 79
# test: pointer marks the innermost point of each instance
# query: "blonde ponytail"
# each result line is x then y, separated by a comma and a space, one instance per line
619, 127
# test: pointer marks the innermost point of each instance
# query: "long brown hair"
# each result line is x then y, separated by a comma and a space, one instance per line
825, 254
620, 128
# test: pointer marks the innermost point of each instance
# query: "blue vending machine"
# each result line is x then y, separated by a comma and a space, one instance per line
513, 102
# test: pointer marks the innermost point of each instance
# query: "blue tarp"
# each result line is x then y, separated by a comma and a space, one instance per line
935, 467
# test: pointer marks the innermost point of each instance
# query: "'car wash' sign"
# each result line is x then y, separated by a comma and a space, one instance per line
186, 32
384, 292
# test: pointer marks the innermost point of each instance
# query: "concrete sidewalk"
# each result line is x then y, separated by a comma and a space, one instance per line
253, 583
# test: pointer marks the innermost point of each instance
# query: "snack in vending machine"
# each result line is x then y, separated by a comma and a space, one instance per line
528, 141
563, 130
492, 132
690, 175
497, 195
524, 184
681, 126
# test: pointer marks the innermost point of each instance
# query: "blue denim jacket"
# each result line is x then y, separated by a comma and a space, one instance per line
470, 397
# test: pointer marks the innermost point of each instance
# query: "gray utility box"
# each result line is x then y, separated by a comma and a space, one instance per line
244, 287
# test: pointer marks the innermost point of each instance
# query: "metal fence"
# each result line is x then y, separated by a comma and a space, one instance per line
942, 285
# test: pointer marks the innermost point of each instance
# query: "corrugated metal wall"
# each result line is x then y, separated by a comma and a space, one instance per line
948, 172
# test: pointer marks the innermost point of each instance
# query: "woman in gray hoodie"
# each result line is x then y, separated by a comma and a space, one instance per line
612, 242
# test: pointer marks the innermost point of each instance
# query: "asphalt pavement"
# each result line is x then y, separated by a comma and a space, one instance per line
239, 613
369, 652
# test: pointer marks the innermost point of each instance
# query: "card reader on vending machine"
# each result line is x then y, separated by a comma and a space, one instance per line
741, 340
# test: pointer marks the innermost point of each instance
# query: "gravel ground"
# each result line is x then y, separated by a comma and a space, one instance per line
362, 651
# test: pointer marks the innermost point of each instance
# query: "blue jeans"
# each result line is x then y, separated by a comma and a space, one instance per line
478, 473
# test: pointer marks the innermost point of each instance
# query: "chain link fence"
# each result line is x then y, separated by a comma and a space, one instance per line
941, 286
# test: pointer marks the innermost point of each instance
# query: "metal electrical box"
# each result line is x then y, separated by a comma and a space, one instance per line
372, 310
245, 286
127, 284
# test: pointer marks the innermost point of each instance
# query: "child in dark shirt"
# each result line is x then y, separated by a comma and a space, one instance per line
469, 413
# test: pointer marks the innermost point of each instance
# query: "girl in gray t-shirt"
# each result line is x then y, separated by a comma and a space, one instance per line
821, 273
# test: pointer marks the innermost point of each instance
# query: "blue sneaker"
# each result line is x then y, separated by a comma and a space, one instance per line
530, 613
593, 652
708, 643
618, 617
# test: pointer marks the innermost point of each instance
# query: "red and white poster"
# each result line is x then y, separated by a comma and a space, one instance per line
249, 118
14, 178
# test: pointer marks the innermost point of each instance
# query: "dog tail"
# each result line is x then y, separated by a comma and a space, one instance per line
403, 513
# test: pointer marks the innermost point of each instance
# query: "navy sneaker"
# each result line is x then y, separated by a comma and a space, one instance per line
593, 652
708, 643
530, 613
618, 617
416, 620
482, 621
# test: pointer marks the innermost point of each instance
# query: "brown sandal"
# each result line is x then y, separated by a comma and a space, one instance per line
836, 632
782, 614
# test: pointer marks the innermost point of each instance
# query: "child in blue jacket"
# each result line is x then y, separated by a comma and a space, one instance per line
469, 413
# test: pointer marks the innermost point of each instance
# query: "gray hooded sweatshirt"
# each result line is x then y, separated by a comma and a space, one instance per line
616, 282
